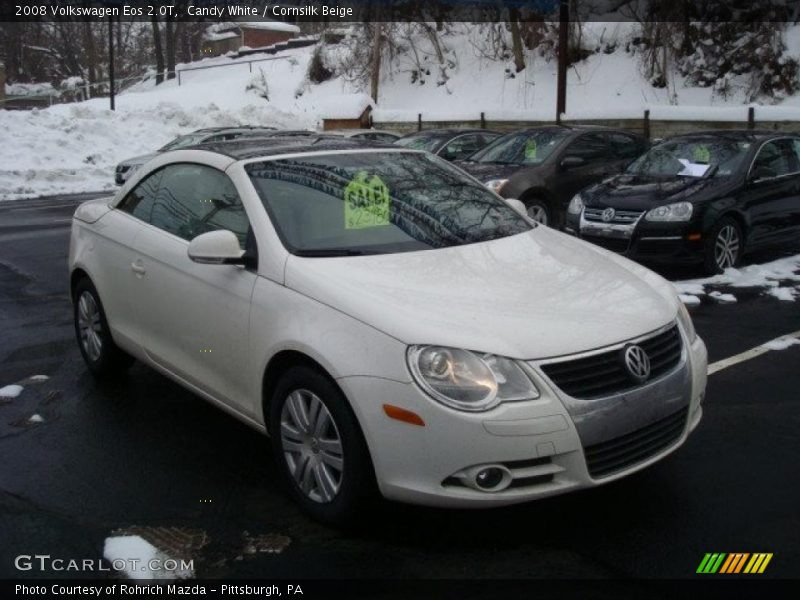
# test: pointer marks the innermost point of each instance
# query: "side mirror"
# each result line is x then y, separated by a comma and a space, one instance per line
517, 205
216, 248
570, 162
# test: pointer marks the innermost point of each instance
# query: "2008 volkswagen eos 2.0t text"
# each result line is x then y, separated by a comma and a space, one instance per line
389, 321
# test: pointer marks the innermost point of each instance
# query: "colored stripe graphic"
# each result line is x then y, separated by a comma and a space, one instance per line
734, 563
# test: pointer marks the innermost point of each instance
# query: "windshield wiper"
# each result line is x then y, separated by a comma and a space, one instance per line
322, 252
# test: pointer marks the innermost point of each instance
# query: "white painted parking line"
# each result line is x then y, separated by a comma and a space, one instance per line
752, 353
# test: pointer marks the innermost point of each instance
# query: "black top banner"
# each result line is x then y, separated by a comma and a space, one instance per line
345, 11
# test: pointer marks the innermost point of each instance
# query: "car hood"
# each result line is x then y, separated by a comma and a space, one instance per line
138, 160
487, 171
633, 192
533, 295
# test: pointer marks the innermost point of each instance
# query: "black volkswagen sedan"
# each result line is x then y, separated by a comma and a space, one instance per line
706, 198
544, 166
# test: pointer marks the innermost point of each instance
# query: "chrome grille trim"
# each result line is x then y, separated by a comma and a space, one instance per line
621, 217
601, 373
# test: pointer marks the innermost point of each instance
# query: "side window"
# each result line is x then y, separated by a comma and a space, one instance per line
140, 200
193, 199
624, 146
461, 147
774, 159
590, 147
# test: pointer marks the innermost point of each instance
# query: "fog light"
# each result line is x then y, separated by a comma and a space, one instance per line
490, 478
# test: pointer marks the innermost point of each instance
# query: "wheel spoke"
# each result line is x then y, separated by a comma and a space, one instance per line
332, 460
297, 411
314, 414
290, 433
325, 482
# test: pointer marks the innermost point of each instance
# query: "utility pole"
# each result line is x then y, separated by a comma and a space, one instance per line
563, 49
111, 60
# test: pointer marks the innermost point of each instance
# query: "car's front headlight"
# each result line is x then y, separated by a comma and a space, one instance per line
495, 184
469, 381
686, 322
680, 211
575, 205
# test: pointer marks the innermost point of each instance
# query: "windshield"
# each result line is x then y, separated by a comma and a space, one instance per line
422, 141
695, 157
378, 202
183, 141
524, 148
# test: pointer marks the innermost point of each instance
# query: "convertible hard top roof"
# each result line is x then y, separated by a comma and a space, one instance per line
241, 149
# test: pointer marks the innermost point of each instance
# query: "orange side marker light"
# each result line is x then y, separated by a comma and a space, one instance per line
401, 414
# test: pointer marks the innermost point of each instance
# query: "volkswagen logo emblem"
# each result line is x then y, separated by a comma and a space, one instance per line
608, 214
636, 362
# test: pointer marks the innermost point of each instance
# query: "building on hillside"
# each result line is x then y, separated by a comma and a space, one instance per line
221, 38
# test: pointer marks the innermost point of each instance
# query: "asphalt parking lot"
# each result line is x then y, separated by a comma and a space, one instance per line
143, 453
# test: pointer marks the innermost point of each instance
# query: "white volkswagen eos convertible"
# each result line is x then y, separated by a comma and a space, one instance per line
388, 321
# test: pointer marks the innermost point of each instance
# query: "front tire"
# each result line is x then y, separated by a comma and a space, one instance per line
319, 447
538, 210
101, 355
724, 246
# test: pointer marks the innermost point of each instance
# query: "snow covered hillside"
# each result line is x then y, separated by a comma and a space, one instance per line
74, 147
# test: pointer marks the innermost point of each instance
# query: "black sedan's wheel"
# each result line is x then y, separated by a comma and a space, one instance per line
724, 246
98, 349
319, 447
538, 211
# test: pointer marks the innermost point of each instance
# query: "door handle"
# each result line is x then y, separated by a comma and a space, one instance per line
137, 268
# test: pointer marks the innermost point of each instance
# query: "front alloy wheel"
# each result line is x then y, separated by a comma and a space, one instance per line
726, 247
319, 447
89, 327
312, 446
537, 210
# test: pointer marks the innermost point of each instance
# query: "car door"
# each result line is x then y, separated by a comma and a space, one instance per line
194, 317
593, 150
115, 243
770, 196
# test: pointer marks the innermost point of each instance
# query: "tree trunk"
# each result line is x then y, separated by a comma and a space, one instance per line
158, 51
375, 67
516, 39
170, 31
91, 54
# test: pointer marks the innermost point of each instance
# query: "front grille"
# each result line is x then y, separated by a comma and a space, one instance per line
604, 374
621, 217
619, 245
614, 455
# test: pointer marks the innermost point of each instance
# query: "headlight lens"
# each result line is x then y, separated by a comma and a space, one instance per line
496, 184
686, 322
467, 380
680, 211
575, 205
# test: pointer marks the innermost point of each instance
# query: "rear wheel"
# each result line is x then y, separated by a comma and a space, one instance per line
724, 246
319, 447
538, 211
98, 349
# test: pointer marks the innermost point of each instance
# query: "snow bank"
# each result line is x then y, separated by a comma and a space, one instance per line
781, 343
768, 275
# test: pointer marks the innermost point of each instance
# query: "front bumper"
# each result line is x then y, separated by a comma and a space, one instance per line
659, 243
539, 441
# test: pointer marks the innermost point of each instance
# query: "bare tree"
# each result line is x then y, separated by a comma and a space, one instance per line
375, 59
516, 39
158, 51
169, 35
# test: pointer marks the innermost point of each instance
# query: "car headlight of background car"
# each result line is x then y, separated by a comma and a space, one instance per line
495, 184
469, 381
575, 205
680, 211
686, 322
